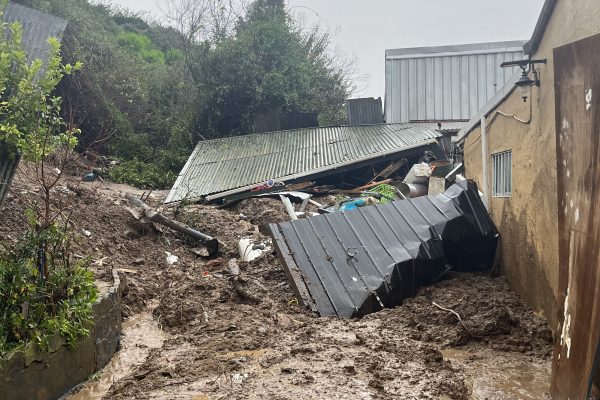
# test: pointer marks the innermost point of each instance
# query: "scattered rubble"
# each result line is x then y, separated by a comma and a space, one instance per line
235, 329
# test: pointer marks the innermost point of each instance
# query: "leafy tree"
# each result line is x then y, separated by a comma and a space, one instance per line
269, 63
148, 92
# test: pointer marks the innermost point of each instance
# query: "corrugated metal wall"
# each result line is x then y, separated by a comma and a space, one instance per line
364, 111
445, 83
276, 120
37, 28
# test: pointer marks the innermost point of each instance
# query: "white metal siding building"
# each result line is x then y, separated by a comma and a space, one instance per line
446, 82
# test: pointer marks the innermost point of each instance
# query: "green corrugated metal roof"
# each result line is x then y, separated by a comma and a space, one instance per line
224, 165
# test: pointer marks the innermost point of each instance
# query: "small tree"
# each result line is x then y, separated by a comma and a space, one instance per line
42, 291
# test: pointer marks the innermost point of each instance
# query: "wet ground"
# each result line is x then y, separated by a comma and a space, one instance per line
411, 352
189, 334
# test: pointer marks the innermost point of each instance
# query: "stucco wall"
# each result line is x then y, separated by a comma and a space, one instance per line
528, 220
34, 373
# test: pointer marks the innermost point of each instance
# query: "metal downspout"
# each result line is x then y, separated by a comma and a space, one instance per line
485, 164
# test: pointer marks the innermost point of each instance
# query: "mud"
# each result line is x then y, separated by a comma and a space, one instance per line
209, 341
141, 336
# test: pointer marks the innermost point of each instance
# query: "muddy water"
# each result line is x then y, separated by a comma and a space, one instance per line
496, 376
141, 334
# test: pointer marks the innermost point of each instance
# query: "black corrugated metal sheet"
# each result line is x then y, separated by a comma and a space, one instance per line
9, 160
277, 120
353, 263
364, 111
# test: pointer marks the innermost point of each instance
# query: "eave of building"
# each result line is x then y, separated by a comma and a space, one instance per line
540, 28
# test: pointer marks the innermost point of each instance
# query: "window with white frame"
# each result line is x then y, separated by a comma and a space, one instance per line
502, 174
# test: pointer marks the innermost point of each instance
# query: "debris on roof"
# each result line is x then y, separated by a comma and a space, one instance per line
352, 263
224, 168
421, 179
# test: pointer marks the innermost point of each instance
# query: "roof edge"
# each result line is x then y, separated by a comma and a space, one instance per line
538, 33
436, 51
406, 125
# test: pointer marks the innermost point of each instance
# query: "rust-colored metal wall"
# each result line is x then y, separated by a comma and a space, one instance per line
577, 89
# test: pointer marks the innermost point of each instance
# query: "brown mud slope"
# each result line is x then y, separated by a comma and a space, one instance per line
223, 346
253, 341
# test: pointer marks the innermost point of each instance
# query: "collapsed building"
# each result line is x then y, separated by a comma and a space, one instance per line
343, 157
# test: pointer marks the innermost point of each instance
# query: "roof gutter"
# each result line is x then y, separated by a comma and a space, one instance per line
325, 169
538, 33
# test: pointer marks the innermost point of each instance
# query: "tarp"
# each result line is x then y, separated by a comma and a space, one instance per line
357, 262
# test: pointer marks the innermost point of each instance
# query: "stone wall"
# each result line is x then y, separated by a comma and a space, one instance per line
31, 373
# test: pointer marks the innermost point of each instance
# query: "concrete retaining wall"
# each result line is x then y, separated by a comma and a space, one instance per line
32, 373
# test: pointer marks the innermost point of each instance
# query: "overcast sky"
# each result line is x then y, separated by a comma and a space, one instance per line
367, 27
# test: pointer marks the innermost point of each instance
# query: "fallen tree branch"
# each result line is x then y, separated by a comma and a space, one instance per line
211, 244
457, 315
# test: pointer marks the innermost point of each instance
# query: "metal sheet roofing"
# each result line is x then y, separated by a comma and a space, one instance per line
445, 82
237, 163
37, 28
352, 263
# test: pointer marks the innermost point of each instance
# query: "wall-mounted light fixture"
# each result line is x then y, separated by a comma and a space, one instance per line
525, 83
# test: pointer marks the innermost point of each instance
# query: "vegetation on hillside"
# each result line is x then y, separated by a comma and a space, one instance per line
150, 91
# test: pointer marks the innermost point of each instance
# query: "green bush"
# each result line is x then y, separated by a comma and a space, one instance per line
142, 46
143, 175
43, 291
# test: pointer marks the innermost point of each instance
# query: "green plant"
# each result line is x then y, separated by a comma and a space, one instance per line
142, 46
43, 292
29, 114
143, 175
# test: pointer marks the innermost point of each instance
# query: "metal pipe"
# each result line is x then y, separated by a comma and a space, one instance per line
411, 190
484, 163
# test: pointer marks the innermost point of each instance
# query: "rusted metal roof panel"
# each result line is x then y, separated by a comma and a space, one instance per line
352, 263
577, 84
37, 28
445, 82
223, 165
